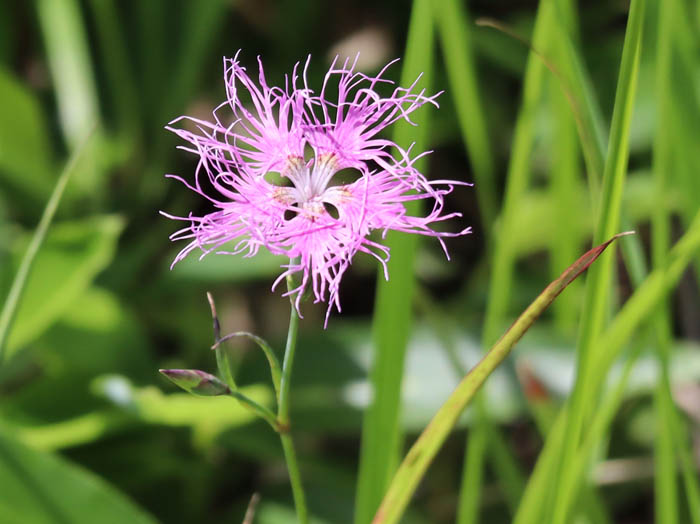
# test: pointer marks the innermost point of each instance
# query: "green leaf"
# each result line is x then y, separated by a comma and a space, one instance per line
208, 416
381, 431
426, 447
73, 254
455, 30
598, 281
19, 282
39, 487
503, 256
68, 56
25, 149
611, 343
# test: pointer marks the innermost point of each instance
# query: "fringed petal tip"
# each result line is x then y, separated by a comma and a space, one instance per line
316, 221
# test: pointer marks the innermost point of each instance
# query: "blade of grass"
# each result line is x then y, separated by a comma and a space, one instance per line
577, 86
672, 137
625, 324
69, 60
565, 173
689, 472
686, 107
511, 479
381, 429
592, 133
503, 260
68, 55
152, 20
120, 78
643, 303
454, 29
665, 484
600, 424
14, 296
424, 449
202, 23
597, 282
544, 411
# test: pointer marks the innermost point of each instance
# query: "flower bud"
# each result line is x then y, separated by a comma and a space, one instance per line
197, 382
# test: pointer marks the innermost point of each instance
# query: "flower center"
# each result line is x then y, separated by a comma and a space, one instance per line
309, 194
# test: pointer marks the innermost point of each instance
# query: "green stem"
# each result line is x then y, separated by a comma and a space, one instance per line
283, 416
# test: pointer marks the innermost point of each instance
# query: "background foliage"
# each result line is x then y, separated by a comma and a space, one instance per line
89, 432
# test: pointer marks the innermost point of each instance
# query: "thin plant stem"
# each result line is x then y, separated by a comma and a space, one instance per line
283, 416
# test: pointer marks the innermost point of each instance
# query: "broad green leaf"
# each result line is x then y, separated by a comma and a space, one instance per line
207, 416
39, 487
17, 287
73, 254
25, 152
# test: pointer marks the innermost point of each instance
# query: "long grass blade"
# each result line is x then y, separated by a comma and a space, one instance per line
665, 483
71, 68
423, 451
381, 430
121, 82
503, 261
611, 343
454, 29
597, 282
565, 173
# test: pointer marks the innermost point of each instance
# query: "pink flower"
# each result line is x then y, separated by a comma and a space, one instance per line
305, 138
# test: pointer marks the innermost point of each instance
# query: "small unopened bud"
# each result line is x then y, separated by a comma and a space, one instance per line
197, 382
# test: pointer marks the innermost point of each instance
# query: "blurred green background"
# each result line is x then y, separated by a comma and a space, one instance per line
89, 432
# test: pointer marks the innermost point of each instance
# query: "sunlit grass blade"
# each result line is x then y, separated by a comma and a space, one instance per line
506, 468
665, 480
576, 84
71, 67
685, 127
381, 431
425, 448
564, 175
598, 280
14, 296
503, 260
611, 343
454, 29
545, 411
599, 427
